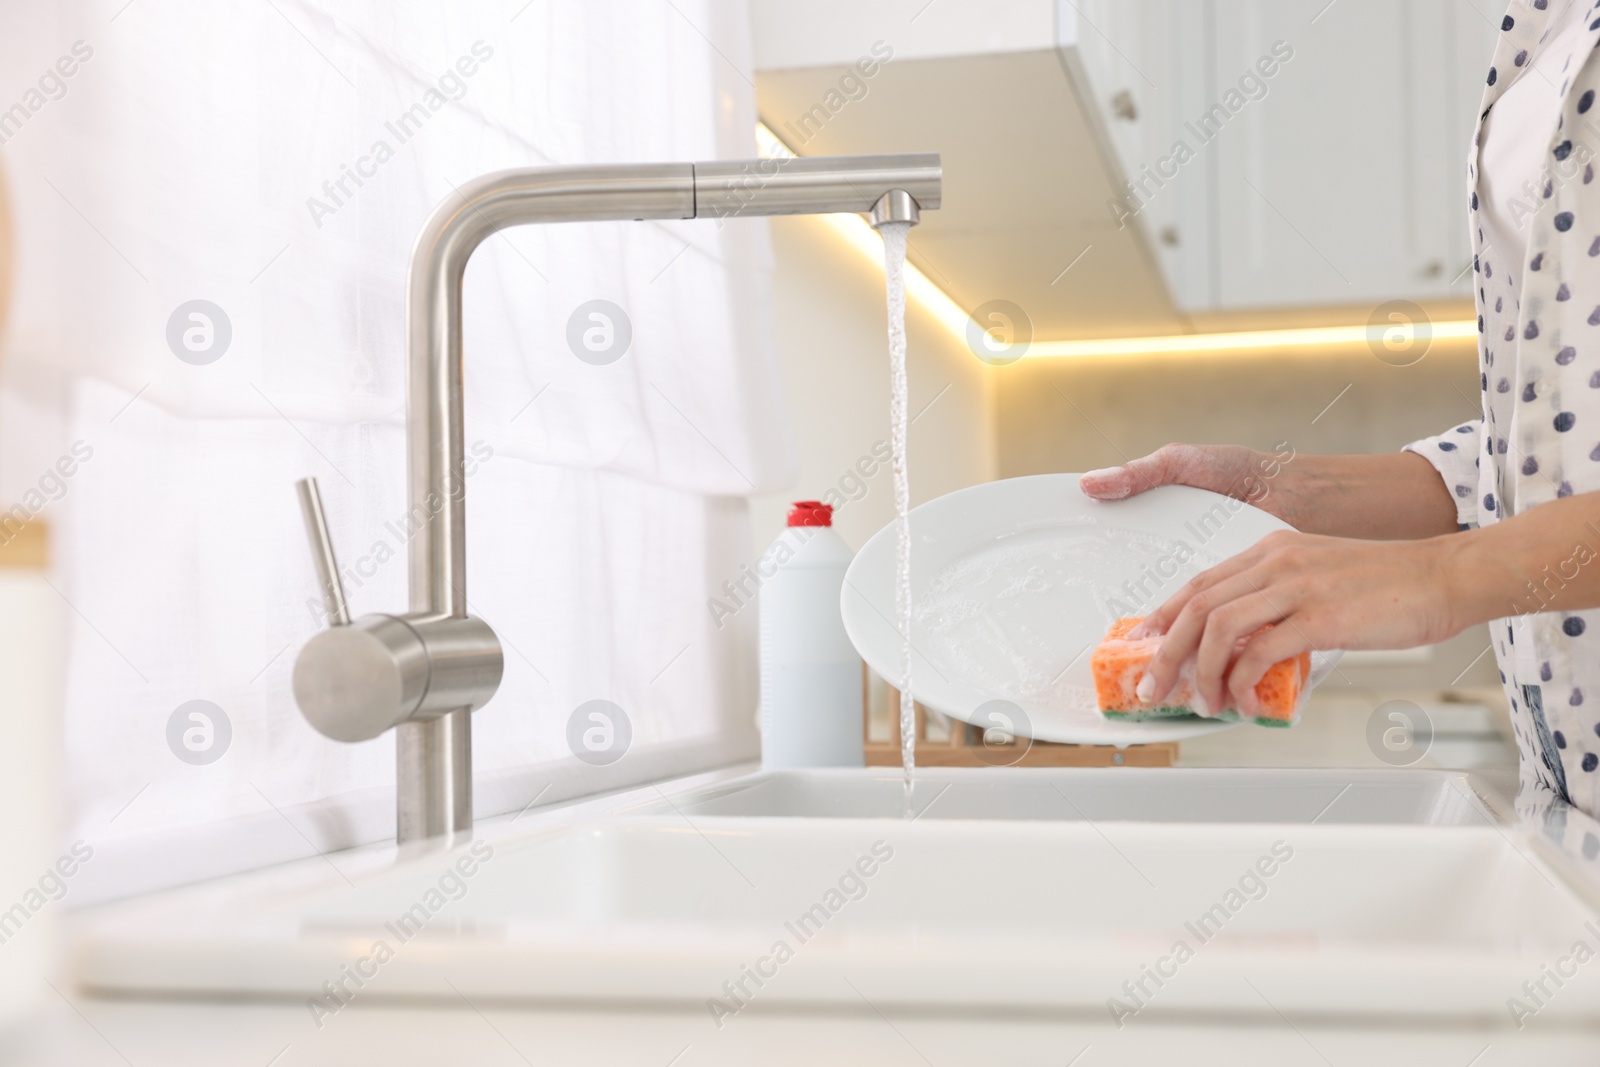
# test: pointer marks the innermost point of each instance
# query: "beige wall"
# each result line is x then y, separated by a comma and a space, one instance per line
1079, 414
832, 340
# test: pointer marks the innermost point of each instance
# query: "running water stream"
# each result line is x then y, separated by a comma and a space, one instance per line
894, 259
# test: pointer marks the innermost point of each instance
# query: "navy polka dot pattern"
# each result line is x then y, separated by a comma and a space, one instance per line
1539, 332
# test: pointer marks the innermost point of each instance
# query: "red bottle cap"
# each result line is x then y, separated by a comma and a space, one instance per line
811, 513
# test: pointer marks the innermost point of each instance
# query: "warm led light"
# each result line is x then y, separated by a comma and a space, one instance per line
859, 235
768, 146
1244, 340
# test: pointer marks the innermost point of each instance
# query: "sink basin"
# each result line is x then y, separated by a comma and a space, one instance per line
790, 888
1127, 794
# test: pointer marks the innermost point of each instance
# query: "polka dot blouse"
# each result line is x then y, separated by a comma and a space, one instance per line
1536, 262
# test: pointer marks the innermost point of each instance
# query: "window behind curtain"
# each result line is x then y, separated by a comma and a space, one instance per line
212, 152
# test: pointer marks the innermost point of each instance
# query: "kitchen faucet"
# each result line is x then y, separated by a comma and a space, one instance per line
422, 673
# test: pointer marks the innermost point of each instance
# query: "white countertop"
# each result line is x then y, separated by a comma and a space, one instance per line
93, 1032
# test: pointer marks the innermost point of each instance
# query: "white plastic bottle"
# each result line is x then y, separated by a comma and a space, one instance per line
811, 677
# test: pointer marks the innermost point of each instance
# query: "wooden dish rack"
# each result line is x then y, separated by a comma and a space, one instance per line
946, 742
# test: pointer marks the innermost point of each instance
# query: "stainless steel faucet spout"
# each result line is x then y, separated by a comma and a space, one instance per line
444, 661
896, 205
816, 185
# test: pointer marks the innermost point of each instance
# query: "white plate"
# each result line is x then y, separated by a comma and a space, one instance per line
1014, 582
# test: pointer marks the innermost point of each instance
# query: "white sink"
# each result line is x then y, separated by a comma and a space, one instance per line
998, 902
1124, 794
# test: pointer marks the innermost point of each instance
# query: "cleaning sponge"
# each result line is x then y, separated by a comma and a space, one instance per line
1119, 663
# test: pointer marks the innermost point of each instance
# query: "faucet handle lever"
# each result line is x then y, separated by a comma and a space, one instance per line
322, 557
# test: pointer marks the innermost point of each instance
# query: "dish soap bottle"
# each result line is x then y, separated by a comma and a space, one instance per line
811, 677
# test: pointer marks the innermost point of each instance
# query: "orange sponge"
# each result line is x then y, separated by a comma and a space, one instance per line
1118, 664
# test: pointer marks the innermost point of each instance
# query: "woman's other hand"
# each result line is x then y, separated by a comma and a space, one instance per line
1315, 593
1232, 470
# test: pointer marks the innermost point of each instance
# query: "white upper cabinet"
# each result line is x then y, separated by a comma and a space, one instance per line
1346, 181
1293, 152
1142, 63
791, 35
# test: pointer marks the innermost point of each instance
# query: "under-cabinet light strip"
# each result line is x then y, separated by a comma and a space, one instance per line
859, 235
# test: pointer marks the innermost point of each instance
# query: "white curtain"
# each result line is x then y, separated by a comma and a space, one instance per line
212, 151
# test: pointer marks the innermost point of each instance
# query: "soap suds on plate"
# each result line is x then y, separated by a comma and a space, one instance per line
996, 616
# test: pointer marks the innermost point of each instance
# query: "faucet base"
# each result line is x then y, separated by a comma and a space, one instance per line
433, 766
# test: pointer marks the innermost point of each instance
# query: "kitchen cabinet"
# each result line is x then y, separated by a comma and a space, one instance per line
1289, 154
1237, 154
1139, 65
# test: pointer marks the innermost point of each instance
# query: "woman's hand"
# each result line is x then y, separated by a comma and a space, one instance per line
1232, 470
1316, 593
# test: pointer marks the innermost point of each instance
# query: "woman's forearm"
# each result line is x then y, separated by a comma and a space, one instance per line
1391, 497
1546, 559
